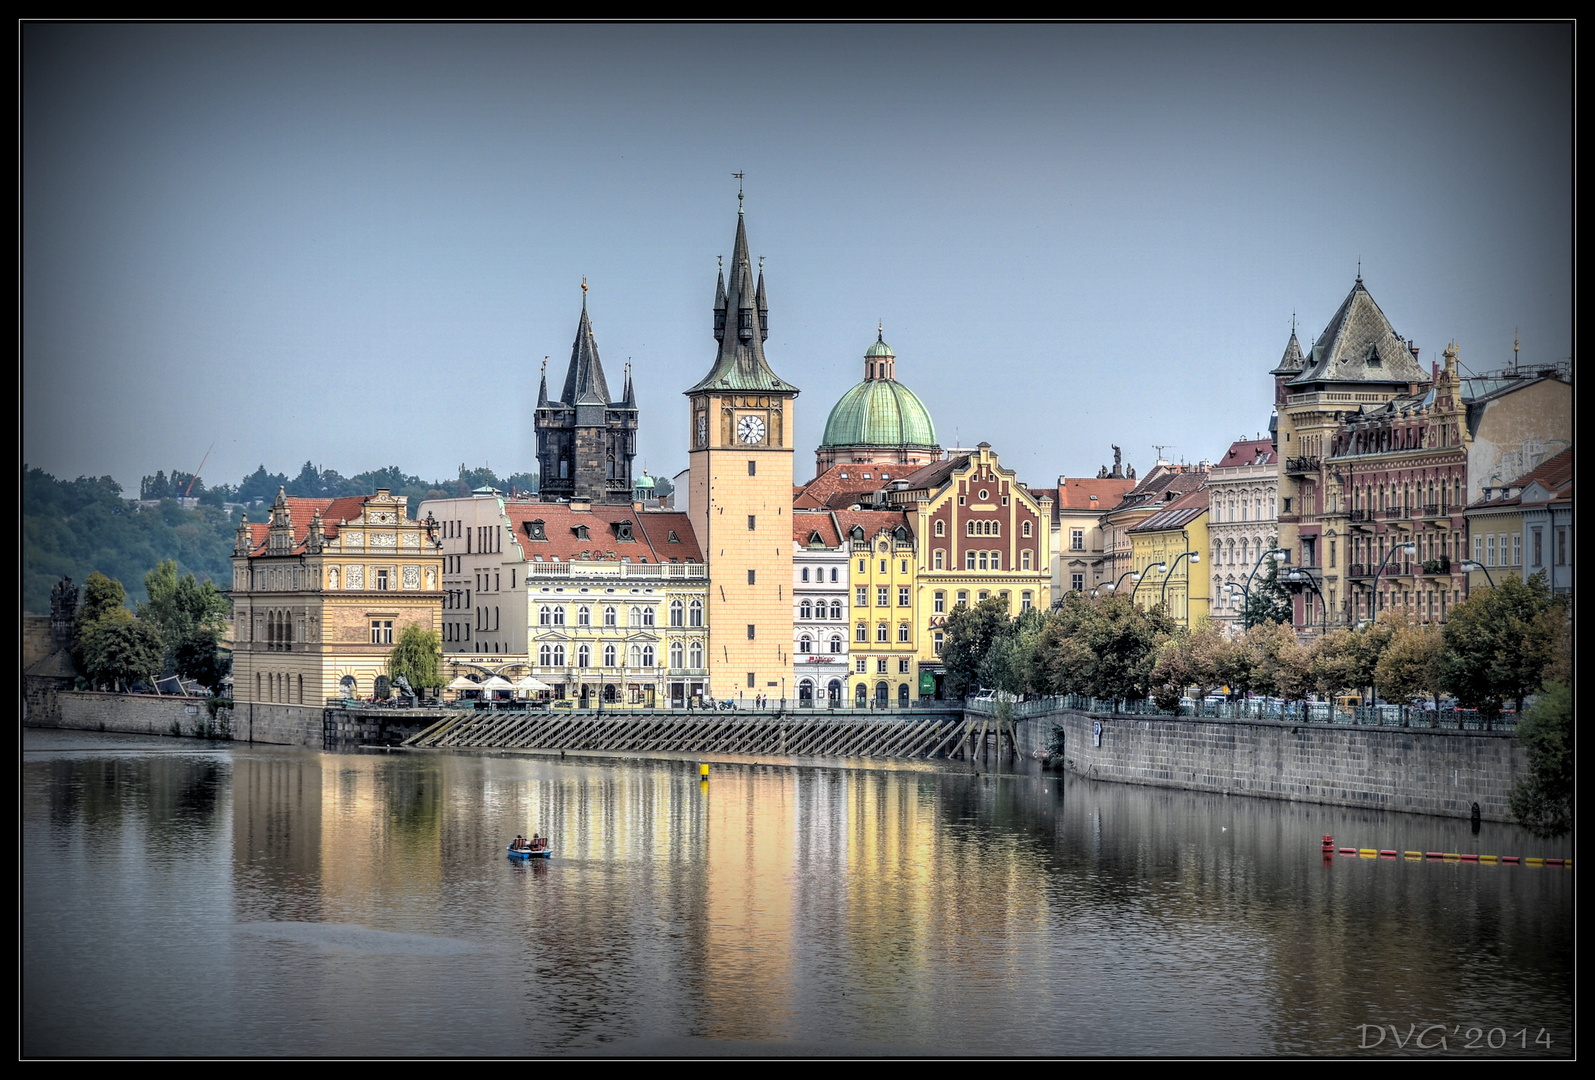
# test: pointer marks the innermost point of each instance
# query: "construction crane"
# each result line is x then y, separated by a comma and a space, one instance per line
195, 477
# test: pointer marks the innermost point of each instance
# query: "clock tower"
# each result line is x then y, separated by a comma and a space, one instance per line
740, 494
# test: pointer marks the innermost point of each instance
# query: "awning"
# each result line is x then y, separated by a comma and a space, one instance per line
462, 683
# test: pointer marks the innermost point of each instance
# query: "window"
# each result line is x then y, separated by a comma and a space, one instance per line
750, 577
902, 596
382, 578
750, 522
902, 666
545, 656
833, 573
1561, 547
695, 650
883, 596
584, 656
545, 616
648, 616
677, 654
862, 599
805, 573
836, 609
881, 632
634, 616
836, 643
610, 617
696, 614
805, 644
609, 655
676, 609
1478, 549
1024, 559
858, 666
753, 468
1077, 582
1024, 530
938, 559
805, 610
941, 528
938, 640
1517, 549
883, 563
902, 631
880, 666
1024, 601
1076, 538
940, 603
584, 616
1538, 548
969, 560
750, 631
559, 656
750, 679
863, 567
1489, 550
963, 598
382, 631
1332, 546
902, 566
647, 656
861, 632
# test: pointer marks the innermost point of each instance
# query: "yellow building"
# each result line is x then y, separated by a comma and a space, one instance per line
882, 577
1164, 548
322, 591
980, 533
739, 493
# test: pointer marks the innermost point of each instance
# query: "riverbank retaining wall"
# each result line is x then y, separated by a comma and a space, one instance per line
1414, 770
154, 714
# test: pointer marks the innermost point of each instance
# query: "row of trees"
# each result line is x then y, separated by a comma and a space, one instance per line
177, 630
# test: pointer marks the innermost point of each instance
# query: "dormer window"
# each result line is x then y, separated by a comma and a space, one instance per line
901, 534
534, 530
857, 534
623, 532
1374, 359
815, 541
674, 539
581, 532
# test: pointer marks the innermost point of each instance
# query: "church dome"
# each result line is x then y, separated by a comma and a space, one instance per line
879, 349
879, 412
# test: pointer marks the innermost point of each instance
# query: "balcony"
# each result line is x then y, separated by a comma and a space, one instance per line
1442, 565
616, 570
1359, 517
1301, 464
1358, 570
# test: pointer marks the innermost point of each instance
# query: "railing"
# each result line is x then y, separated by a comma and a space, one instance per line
593, 568
1301, 464
1359, 515
1315, 712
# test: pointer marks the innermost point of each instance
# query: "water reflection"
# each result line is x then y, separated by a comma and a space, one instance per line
274, 901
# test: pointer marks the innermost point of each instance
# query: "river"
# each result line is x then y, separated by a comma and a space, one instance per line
181, 898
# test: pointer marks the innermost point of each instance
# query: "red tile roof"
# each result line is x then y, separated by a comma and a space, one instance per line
873, 522
301, 512
656, 536
805, 523
1247, 452
841, 485
1076, 494
1176, 514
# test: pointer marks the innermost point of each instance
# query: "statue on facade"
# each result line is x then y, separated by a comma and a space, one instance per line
1129, 472
1118, 466
1102, 473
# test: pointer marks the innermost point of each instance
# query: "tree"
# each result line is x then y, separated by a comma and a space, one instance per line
970, 632
101, 596
1196, 659
417, 657
1104, 647
189, 617
1268, 601
1335, 664
117, 650
200, 657
1498, 645
1542, 802
1412, 663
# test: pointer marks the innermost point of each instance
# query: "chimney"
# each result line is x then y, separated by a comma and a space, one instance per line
581, 505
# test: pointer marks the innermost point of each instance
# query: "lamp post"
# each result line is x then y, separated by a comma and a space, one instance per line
1134, 574
1159, 567
1302, 577
1195, 558
1468, 566
1246, 611
1409, 548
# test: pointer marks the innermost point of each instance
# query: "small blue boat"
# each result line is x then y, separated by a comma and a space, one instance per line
530, 852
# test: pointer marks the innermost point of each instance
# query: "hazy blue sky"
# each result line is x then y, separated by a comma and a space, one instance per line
355, 244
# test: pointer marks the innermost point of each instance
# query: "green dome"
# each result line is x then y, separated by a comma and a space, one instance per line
879, 349
643, 481
879, 412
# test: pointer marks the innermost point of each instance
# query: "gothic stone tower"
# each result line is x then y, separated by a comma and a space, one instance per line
740, 494
585, 442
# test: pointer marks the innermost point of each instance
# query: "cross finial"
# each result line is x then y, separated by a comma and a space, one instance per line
880, 330
1359, 269
1293, 324
761, 264
738, 177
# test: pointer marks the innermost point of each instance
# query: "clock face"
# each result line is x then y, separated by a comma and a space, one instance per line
750, 429
703, 429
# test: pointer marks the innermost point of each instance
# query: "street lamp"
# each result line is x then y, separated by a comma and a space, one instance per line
1133, 574
1246, 611
1467, 566
1159, 567
1409, 548
1195, 558
1302, 577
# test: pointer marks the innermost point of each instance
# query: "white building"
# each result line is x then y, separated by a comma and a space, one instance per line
819, 609
1242, 523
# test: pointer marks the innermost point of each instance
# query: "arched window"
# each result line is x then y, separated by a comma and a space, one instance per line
805, 573
696, 652
941, 528
545, 656
861, 632
836, 609
584, 656
882, 694
636, 656
584, 617
609, 655
805, 644
559, 656
836, 643
902, 695
611, 616
1024, 530
902, 631
634, 616
969, 529
805, 610
648, 616
696, 614
861, 695
678, 655
647, 656
676, 609
881, 632
545, 616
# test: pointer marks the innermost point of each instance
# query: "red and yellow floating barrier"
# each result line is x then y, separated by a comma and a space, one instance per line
1329, 849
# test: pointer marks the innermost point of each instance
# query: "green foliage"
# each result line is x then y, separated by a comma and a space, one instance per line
970, 632
1542, 802
1410, 668
1499, 644
1009, 663
1105, 647
1198, 659
1269, 601
418, 657
117, 650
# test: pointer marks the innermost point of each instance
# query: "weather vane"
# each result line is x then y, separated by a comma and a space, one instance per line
738, 177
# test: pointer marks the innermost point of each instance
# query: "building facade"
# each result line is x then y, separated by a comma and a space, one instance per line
882, 573
740, 491
822, 609
323, 590
1525, 527
1168, 550
1243, 491
1077, 545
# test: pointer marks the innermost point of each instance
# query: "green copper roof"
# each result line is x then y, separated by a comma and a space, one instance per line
879, 412
880, 348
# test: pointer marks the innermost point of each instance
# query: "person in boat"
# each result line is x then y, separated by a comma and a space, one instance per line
537, 842
520, 843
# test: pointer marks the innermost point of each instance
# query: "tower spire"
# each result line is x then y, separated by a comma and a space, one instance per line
741, 326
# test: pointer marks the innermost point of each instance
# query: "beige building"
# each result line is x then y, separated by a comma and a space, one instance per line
1077, 546
322, 591
1243, 492
740, 493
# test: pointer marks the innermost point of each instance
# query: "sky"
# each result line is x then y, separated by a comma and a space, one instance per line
356, 244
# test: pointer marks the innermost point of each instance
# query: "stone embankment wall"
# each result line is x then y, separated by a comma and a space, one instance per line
154, 714
1414, 770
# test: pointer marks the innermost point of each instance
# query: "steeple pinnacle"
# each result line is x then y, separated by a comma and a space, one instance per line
542, 387
739, 362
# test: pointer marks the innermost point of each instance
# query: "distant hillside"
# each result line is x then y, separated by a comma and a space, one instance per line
78, 526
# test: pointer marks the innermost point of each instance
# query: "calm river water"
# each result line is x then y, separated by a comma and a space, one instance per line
181, 899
